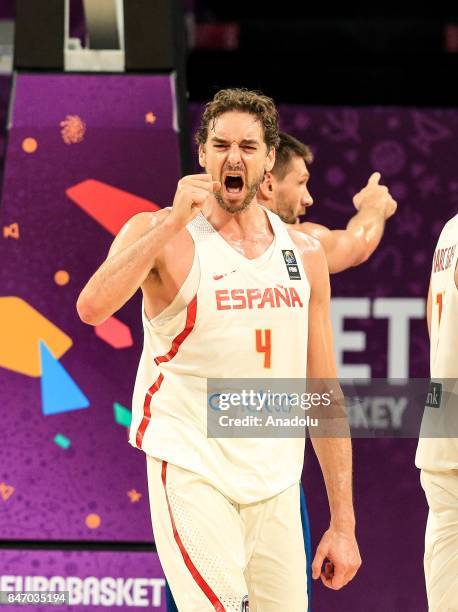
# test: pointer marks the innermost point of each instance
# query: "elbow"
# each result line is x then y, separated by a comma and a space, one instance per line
365, 254
360, 259
86, 312
361, 252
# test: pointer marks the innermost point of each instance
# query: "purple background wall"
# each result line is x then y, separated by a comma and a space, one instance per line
56, 489
413, 149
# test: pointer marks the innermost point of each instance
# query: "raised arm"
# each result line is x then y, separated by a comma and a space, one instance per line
355, 244
132, 256
334, 454
135, 251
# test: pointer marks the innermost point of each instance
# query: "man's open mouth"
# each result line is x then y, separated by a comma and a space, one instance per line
233, 183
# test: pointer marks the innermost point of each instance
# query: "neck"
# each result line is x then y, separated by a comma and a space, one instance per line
252, 220
268, 202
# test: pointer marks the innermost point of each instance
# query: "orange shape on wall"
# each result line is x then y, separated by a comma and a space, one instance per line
150, 118
73, 129
134, 496
61, 277
21, 329
29, 145
93, 521
11, 231
6, 491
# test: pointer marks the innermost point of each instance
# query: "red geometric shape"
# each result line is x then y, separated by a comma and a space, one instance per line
115, 333
109, 206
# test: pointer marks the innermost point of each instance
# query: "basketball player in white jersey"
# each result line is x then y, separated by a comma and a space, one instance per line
285, 192
437, 452
220, 301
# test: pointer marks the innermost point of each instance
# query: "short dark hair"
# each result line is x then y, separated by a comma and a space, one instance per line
288, 148
246, 101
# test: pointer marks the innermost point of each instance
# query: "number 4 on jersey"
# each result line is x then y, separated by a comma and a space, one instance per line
264, 345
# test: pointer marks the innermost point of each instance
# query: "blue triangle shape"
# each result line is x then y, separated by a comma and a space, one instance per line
59, 392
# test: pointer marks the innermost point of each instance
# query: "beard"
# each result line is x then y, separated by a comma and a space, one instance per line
252, 189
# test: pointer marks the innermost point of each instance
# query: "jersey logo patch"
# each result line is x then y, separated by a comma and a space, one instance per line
245, 605
291, 265
220, 276
433, 399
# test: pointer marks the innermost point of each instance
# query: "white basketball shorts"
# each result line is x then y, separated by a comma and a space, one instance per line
223, 556
441, 540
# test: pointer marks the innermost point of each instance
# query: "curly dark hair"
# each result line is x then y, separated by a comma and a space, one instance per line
246, 101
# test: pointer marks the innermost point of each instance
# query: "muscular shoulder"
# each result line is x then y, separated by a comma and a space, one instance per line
135, 227
320, 232
308, 245
312, 255
144, 221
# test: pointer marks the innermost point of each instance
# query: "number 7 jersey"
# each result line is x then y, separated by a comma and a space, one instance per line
233, 318
438, 445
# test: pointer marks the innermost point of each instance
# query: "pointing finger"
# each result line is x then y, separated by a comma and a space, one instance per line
374, 178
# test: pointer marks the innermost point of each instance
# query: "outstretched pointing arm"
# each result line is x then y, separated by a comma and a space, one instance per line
355, 244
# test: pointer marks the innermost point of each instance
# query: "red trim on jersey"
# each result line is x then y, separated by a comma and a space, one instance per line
186, 558
191, 312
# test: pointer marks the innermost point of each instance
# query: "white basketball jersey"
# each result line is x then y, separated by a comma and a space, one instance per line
247, 319
438, 445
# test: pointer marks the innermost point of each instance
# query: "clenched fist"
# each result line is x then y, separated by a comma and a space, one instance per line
192, 193
376, 196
